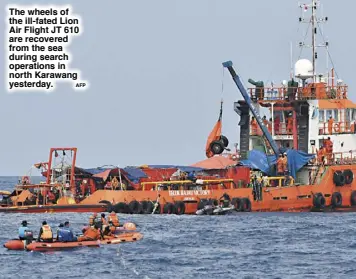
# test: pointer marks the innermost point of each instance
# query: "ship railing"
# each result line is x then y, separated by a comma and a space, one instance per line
172, 185
318, 92
345, 127
336, 158
278, 181
280, 129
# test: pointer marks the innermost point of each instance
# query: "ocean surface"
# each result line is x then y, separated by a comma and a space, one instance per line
247, 245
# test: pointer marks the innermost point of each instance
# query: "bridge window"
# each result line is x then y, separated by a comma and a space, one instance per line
336, 115
353, 116
321, 116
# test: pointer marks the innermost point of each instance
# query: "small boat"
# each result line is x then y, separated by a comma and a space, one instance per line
17, 244
216, 210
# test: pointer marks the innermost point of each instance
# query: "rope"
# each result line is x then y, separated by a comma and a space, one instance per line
306, 34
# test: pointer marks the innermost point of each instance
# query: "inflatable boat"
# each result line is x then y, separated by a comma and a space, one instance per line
16, 244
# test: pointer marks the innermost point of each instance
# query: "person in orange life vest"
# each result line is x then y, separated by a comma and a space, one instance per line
329, 149
321, 155
45, 234
285, 163
265, 121
92, 233
330, 125
290, 124
280, 165
113, 219
253, 126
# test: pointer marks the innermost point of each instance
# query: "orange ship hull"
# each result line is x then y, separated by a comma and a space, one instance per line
286, 198
54, 208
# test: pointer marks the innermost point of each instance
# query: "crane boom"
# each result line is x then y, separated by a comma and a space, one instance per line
236, 78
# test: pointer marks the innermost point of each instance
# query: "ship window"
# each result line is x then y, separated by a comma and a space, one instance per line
336, 115
321, 116
353, 116
328, 114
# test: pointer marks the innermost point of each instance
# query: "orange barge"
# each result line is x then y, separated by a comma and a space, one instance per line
311, 126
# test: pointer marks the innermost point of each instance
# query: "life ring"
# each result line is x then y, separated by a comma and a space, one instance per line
245, 205
349, 176
319, 200
233, 157
339, 178
337, 128
180, 206
353, 198
169, 208
25, 180
336, 199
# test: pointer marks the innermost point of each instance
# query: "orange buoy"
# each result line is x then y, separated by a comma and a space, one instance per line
15, 244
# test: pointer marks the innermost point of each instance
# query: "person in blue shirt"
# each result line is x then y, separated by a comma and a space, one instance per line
22, 230
65, 234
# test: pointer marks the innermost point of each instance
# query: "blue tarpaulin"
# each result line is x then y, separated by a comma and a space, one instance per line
134, 174
260, 161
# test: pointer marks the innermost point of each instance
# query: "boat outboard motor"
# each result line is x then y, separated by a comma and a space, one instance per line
28, 237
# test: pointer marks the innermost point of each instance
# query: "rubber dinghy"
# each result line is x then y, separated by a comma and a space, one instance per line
216, 210
17, 244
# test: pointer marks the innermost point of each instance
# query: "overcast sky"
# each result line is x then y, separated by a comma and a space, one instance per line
155, 73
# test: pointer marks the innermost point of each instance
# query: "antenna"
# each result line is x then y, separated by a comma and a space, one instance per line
314, 22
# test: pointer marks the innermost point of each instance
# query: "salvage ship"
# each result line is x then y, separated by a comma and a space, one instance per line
301, 159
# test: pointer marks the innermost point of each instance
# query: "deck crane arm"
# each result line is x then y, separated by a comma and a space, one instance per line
236, 78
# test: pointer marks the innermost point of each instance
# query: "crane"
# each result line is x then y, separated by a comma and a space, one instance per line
236, 78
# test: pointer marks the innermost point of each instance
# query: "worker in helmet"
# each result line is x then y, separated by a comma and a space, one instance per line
280, 165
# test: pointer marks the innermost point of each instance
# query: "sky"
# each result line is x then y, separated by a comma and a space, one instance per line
156, 78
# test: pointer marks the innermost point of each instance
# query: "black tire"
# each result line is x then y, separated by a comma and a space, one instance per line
349, 176
353, 198
169, 208
121, 207
202, 203
336, 199
135, 207
319, 200
213, 202
245, 205
224, 140
180, 206
109, 207
144, 205
217, 147
339, 178
236, 203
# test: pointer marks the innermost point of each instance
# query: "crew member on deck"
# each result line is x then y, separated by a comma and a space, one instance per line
253, 126
289, 124
280, 165
285, 163
269, 126
330, 125
329, 150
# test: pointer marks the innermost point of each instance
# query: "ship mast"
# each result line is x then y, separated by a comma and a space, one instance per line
313, 21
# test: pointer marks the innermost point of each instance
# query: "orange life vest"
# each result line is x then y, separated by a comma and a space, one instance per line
113, 219
92, 233
280, 165
46, 232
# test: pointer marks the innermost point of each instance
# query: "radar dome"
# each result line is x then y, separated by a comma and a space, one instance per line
303, 69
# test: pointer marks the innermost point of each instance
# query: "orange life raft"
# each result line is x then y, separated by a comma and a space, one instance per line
17, 244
